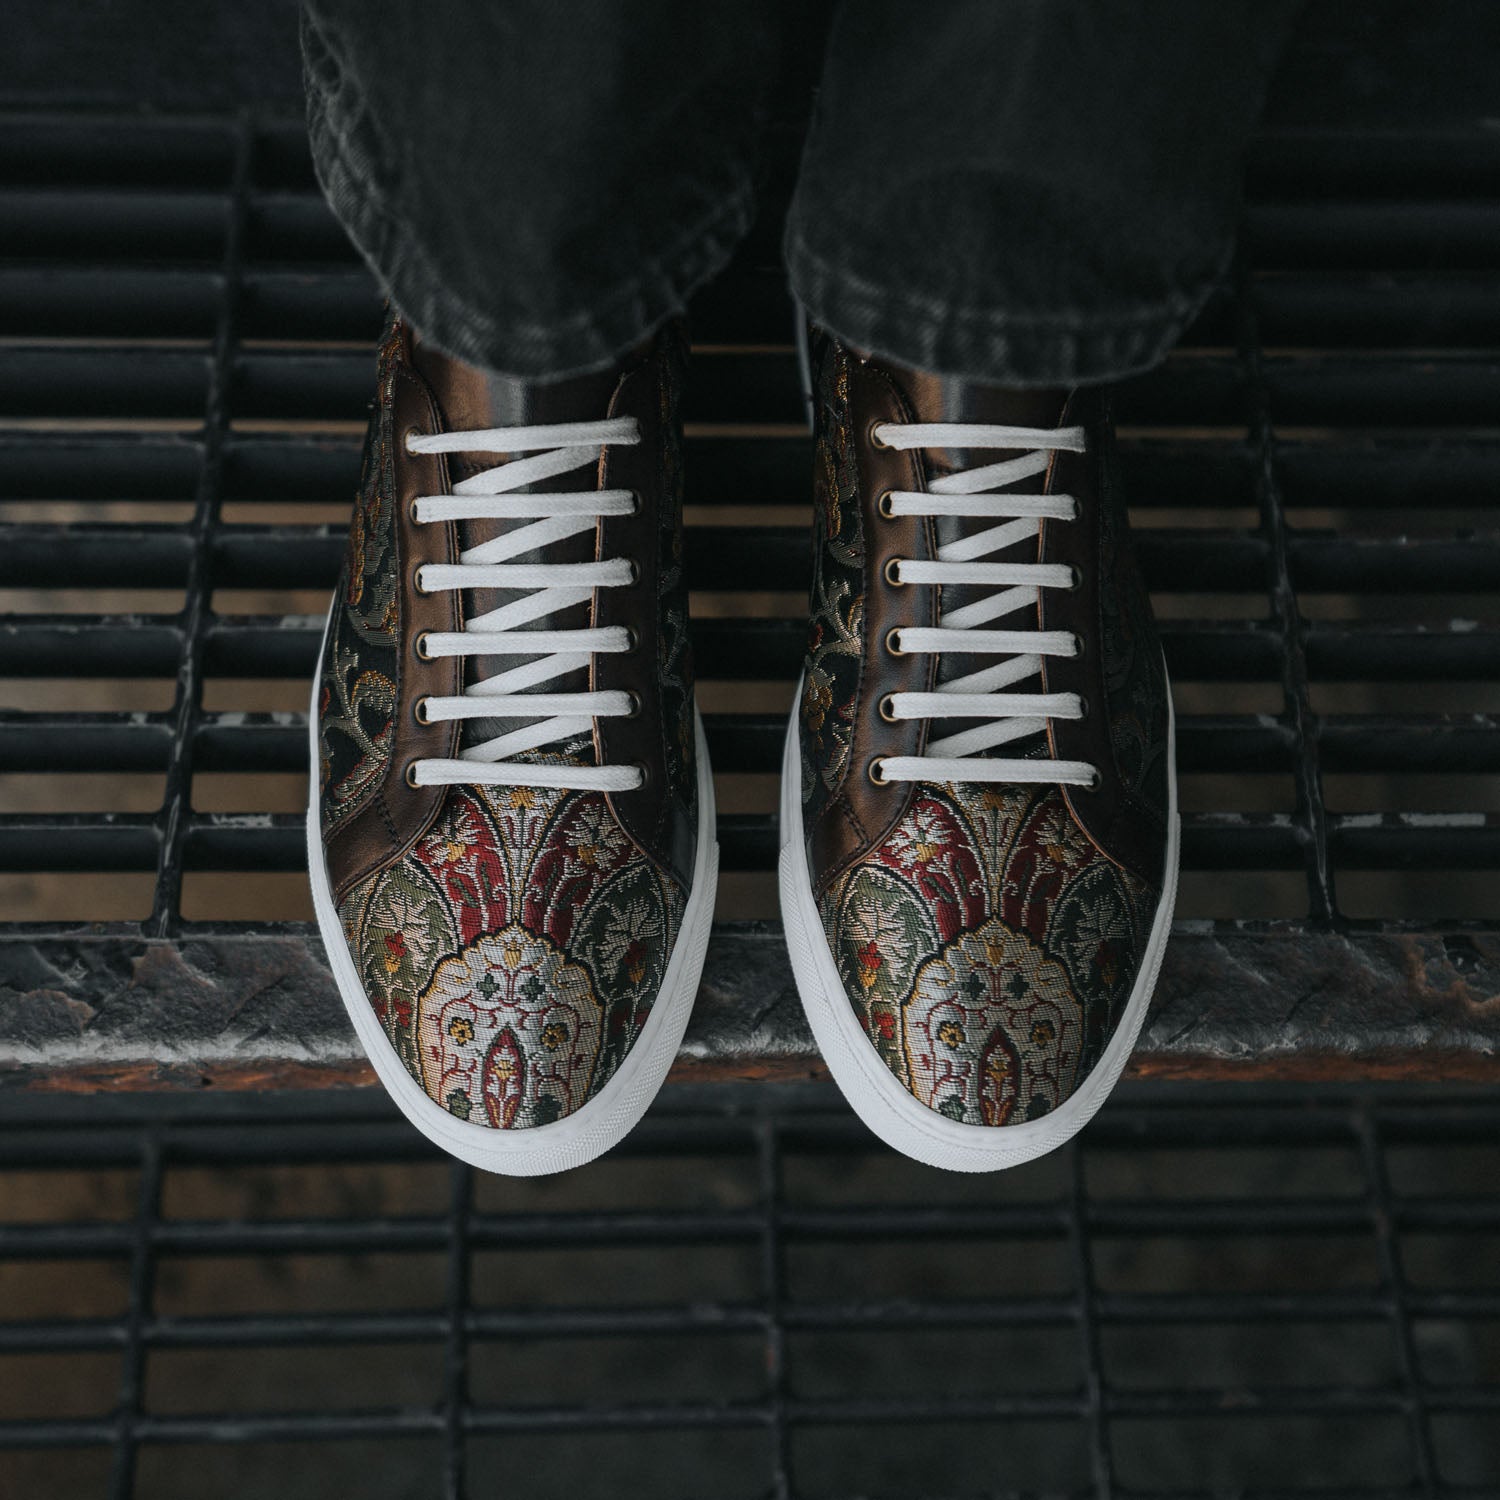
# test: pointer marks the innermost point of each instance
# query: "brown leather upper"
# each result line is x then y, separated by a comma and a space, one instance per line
655, 815
1120, 823
397, 814
1115, 816
431, 393
861, 814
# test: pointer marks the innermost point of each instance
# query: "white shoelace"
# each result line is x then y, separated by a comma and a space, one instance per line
552, 517
1004, 716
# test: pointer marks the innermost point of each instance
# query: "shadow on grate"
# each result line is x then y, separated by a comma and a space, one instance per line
1246, 1294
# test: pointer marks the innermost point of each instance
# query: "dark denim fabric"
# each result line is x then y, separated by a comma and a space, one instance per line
1030, 192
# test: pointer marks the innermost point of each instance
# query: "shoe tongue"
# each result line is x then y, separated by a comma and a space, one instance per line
470, 399
945, 398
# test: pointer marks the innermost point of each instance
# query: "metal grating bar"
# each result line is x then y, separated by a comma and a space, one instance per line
1412, 1405
1088, 1334
1309, 813
133, 1355
456, 1342
173, 832
773, 1277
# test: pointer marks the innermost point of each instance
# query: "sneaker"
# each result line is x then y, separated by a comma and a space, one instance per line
511, 840
979, 811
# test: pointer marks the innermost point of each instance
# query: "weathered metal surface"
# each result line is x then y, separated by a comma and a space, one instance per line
87, 1010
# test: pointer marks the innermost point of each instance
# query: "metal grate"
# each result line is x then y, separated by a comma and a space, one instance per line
184, 367
1247, 1295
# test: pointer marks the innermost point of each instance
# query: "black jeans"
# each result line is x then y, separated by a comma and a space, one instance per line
1031, 192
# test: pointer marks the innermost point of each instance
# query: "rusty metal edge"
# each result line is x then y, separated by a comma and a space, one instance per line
255, 1010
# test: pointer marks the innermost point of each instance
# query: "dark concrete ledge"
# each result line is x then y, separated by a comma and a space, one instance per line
95, 1009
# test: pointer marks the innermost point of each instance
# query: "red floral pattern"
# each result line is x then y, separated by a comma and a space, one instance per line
988, 948
514, 954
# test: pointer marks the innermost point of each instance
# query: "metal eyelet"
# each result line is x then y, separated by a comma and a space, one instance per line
1083, 707
420, 647
1075, 578
634, 711
876, 442
411, 775
891, 571
419, 711
886, 505
632, 640
407, 436
635, 503
892, 645
1097, 782
411, 510
1079, 643
416, 581
635, 573
873, 772
887, 707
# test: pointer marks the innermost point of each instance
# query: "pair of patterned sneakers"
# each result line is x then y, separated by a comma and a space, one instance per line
511, 836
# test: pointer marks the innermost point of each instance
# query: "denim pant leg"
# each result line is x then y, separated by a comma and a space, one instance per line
1028, 192
538, 185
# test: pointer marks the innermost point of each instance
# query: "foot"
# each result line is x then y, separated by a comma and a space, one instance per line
511, 842
979, 819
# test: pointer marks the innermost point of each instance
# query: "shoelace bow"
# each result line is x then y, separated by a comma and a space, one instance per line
493, 494
1004, 716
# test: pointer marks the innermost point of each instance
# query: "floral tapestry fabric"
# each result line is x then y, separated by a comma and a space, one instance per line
357, 692
513, 955
988, 949
830, 674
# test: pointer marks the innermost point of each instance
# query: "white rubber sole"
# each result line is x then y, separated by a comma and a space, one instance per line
606, 1118
874, 1092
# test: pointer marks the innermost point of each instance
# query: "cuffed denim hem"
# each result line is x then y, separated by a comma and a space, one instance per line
594, 338
996, 345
